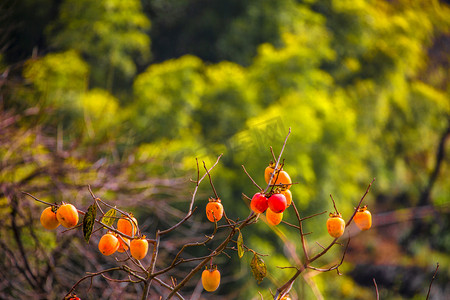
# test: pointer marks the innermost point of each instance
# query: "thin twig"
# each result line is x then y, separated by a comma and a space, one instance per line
259, 188
278, 161
376, 289
273, 154
210, 180
312, 216
359, 204
90, 275
432, 279
38, 200
334, 204
302, 235
162, 283
200, 180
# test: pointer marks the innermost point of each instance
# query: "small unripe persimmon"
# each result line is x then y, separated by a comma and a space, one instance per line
214, 210
127, 225
67, 215
49, 219
273, 218
259, 203
335, 225
108, 244
210, 279
363, 218
139, 248
277, 203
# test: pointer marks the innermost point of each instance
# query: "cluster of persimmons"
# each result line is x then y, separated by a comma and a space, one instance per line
67, 215
273, 202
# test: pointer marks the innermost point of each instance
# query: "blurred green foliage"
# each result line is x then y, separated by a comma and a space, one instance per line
364, 86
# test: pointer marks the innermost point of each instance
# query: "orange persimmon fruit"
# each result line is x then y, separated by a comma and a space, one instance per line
108, 244
127, 225
273, 218
211, 279
214, 210
363, 218
283, 178
49, 219
124, 244
139, 248
335, 225
269, 170
288, 195
67, 215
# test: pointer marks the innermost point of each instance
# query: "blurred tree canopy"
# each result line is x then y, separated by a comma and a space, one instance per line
151, 84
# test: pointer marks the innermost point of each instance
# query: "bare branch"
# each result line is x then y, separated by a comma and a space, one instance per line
210, 180
90, 275
359, 204
432, 279
376, 289
278, 161
334, 204
259, 188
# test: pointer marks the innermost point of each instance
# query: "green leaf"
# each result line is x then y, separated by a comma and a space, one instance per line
259, 268
88, 222
240, 245
109, 218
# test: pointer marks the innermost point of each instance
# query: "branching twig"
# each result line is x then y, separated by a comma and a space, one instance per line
90, 275
334, 204
277, 162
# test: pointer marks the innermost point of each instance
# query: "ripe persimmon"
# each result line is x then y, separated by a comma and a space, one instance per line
67, 215
259, 203
277, 203
49, 219
269, 170
108, 244
363, 218
127, 225
211, 279
214, 210
139, 248
283, 178
124, 244
273, 218
288, 195
335, 225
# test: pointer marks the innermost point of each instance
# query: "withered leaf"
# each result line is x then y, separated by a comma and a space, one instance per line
240, 245
259, 268
88, 222
109, 218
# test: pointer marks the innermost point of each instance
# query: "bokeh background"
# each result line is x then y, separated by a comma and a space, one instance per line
124, 95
